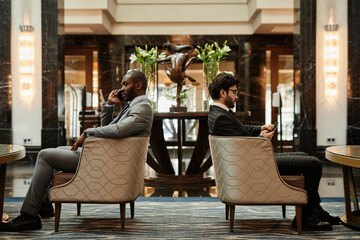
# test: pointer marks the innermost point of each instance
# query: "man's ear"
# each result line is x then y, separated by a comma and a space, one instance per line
222, 93
138, 85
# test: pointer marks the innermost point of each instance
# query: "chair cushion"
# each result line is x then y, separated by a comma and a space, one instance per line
61, 177
294, 180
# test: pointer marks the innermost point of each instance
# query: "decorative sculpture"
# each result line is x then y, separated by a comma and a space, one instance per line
180, 59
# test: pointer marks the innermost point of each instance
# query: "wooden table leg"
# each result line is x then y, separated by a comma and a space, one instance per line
179, 135
2, 189
347, 191
352, 218
353, 190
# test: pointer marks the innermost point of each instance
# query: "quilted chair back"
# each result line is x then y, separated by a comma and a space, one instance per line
109, 171
246, 173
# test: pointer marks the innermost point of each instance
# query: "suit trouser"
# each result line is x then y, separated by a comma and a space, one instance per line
308, 166
62, 159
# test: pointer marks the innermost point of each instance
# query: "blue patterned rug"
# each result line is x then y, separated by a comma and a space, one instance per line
176, 218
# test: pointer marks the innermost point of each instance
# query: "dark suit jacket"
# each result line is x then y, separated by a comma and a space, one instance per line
224, 123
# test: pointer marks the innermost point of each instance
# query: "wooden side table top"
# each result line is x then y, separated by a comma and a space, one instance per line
348, 155
9, 153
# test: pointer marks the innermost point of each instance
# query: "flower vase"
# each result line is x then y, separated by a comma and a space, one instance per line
150, 71
210, 70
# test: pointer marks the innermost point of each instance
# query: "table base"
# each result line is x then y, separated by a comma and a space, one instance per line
352, 224
182, 182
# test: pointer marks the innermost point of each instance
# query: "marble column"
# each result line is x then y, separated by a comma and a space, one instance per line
5, 72
353, 130
305, 88
53, 110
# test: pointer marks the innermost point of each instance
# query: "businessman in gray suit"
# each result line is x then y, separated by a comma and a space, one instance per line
223, 122
135, 119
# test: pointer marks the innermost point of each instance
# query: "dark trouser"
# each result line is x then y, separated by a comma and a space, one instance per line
308, 166
61, 158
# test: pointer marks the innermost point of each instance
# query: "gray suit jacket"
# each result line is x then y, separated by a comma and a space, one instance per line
137, 120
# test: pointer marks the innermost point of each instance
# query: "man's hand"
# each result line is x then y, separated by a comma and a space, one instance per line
267, 134
78, 142
266, 127
113, 98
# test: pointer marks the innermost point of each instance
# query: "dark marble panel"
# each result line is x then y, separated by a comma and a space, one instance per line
353, 133
51, 137
5, 72
52, 133
248, 53
305, 88
6, 136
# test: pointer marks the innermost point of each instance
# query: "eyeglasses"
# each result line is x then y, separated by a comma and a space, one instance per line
235, 91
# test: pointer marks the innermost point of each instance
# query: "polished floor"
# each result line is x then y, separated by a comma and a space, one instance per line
19, 175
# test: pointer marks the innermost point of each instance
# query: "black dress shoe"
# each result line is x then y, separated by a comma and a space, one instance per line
22, 222
312, 223
46, 211
325, 216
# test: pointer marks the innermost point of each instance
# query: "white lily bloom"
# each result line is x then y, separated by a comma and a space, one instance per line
227, 48
133, 57
144, 54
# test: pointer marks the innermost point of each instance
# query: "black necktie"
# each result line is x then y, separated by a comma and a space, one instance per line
122, 113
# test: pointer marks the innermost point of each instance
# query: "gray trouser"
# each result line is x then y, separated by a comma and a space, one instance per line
48, 160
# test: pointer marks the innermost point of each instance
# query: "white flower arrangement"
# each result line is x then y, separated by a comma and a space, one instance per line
151, 56
211, 56
148, 60
213, 53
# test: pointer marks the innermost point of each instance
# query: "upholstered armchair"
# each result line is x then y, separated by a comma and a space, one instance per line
246, 173
109, 171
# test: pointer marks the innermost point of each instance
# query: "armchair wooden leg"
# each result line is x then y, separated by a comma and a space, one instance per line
57, 216
299, 218
132, 209
78, 208
284, 211
226, 211
232, 215
122, 216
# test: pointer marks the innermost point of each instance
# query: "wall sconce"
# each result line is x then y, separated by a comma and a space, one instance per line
331, 55
26, 60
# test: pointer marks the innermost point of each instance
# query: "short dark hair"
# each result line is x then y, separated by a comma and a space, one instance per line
222, 81
138, 76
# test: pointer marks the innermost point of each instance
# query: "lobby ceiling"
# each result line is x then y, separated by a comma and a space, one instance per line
160, 17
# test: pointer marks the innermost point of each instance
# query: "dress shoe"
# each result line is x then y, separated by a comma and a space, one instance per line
22, 222
325, 216
46, 211
312, 223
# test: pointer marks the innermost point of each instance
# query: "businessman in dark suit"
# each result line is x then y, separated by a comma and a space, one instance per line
135, 119
223, 122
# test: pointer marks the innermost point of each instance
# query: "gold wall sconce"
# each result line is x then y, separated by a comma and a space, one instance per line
331, 57
26, 61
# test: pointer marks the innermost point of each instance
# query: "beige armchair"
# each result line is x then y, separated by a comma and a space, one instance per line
109, 171
246, 173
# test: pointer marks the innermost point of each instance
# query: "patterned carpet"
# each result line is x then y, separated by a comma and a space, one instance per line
176, 218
